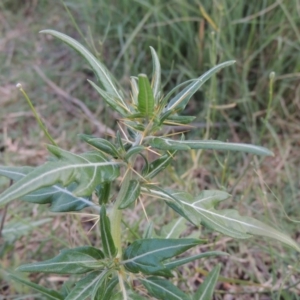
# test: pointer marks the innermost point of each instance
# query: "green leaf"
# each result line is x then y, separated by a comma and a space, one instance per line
206, 289
181, 261
145, 97
84, 287
169, 144
100, 70
132, 193
106, 237
147, 255
179, 120
159, 165
174, 228
110, 100
103, 192
180, 100
148, 231
50, 294
134, 90
120, 142
60, 198
87, 170
69, 261
156, 75
163, 289
108, 291
134, 150
100, 144
15, 229
174, 200
228, 221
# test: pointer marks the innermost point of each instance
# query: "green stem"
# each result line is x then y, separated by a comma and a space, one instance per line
116, 214
42, 126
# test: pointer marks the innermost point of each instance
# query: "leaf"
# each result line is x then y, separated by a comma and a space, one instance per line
206, 289
60, 198
69, 261
50, 294
147, 255
87, 170
228, 221
174, 200
134, 150
169, 144
84, 287
156, 75
173, 229
145, 97
110, 100
132, 193
163, 289
158, 165
100, 70
148, 231
180, 100
106, 237
178, 120
181, 261
100, 144
108, 291
134, 90
103, 192
15, 229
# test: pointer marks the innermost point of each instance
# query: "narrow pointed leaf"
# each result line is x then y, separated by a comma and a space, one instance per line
181, 261
229, 222
100, 285
100, 70
50, 294
106, 237
108, 291
69, 261
131, 194
147, 255
103, 192
206, 289
169, 144
156, 75
134, 90
163, 289
134, 150
179, 120
101, 144
180, 100
84, 287
87, 170
173, 229
15, 229
159, 165
60, 198
174, 200
110, 100
145, 97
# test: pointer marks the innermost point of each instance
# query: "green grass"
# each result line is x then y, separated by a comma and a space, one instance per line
263, 36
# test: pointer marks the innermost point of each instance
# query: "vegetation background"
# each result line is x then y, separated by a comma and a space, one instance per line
190, 37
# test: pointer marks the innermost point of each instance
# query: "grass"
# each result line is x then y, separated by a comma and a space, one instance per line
263, 37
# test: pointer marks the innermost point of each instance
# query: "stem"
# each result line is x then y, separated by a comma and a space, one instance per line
122, 286
116, 214
42, 126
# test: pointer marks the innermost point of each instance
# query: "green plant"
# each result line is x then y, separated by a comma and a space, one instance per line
70, 182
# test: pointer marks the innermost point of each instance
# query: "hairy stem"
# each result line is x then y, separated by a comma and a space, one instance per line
116, 214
